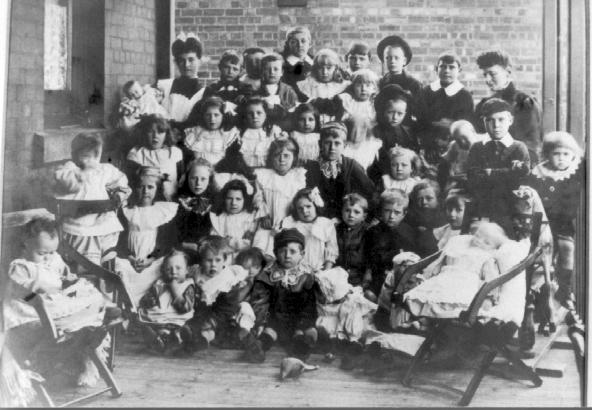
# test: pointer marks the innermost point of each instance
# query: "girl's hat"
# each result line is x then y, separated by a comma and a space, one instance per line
287, 236
334, 127
393, 41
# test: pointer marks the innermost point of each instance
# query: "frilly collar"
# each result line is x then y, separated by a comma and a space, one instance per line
450, 90
541, 171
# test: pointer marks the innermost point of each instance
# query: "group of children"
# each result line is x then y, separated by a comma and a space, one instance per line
281, 205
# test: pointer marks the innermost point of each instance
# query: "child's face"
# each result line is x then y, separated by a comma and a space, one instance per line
395, 111
454, 215
332, 147
298, 45
42, 248
325, 70
213, 118
290, 255
498, 124
198, 179
188, 64
496, 77
229, 71
88, 160
395, 59
253, 267
146, 191
253, 65
392, 214
306, 122
358, 61
135, 91
234, 202
212, 264
363, 90
561, 158
463, 137
426, 199
447, 72
401, 168
272, 72
353, 214
155, 138
256, 116
305, 210
175, 269
282, 161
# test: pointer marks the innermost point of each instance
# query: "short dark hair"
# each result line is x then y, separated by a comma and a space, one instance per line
495, 57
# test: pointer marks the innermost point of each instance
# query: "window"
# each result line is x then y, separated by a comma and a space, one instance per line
56, 45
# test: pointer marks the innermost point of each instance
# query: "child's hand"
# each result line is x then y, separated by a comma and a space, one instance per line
266, 222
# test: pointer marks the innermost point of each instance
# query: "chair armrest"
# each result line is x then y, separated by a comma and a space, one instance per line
470, 315
414, 269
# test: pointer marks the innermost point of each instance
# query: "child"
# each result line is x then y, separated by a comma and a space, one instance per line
276, 186
149, 233
321, 248
196, 196
85, 178
350, 237
455, 204
213, 134
559, 181
358, 57
235, 221
336, 175
383, 241
297, 55
452, 170
306, 133
157, 150
168, 305
229, 87
284, 297
451, 281
395, 54
495, 167
252, 77
138, 101
279, 96
405, 165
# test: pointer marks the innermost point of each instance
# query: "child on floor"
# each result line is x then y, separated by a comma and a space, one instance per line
235, 221
297, 55
306, 132
214, 132
350, 237
559, 181
284, 297
157, 150
395, 54
321, 250
404, 170
138, 100
357, 57
168, 305
252, 77
276, 186
85, 178
149, 234
228, 88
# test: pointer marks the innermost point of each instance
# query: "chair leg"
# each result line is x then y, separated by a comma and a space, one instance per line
515, 359
477, 377
419, 355
105, 372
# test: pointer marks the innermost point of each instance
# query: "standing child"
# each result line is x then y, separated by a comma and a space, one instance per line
168, 305
157, 150
395, 54
306, 132
404, 170
85, 178
358, 57
350, 237
559, 181
252, 77
214, 132
297, 55
321, 248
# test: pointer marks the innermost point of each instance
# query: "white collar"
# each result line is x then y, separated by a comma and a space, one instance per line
507, 140
292, 59
450, 90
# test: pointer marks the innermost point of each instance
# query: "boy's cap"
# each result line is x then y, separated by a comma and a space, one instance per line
394, 41
334, 126
359, 48
495, 105
287, 236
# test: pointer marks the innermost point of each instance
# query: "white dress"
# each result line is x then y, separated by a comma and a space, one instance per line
308, 144
405, 185
255, 143
209, 145
320, 240
234, 226
166, 159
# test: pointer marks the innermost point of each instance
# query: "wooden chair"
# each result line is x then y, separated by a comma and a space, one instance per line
497, 334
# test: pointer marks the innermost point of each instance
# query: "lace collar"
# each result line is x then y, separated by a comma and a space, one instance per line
542, 171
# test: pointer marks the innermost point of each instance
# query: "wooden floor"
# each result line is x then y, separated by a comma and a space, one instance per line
218, 378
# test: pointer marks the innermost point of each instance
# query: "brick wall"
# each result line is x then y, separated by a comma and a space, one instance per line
130, 46
430, 26
24, 113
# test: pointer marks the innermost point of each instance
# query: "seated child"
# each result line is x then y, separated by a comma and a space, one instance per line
228, 88
85, 178
297, 55
335, 174
168, 305
321, 248
284, 297
149, 234
139, 101
306, 132
383, 241
157, 150
350, 237
395, 54
358, 57
405, 166
455, 211
252, 77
